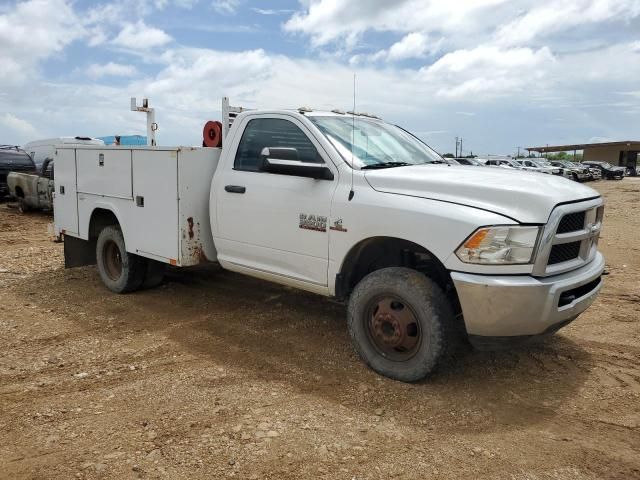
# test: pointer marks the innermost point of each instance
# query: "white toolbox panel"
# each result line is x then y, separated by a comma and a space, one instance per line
155, 203
104, 171
65, 200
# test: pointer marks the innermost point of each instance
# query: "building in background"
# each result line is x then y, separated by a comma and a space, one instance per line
125, 139
623, 154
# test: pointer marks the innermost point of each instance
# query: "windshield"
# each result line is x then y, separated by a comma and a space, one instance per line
374, 142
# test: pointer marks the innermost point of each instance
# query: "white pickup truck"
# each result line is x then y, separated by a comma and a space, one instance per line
350, 207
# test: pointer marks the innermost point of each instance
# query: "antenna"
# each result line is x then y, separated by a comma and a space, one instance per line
353, 134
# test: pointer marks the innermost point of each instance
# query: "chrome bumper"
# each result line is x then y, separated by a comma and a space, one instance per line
510, 305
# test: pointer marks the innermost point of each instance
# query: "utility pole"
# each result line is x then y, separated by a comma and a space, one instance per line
518, 153
456, 155
460, 146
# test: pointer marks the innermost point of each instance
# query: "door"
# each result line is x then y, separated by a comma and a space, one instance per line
271, 222
104, 172
65, 201
155, 190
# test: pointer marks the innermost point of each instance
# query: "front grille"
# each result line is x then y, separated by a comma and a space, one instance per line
570, 238
570, 295
571, 222
564, 252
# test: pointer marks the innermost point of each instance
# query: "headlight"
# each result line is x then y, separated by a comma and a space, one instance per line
500, 246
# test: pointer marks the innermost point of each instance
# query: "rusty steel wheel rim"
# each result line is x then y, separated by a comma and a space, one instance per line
112, 260
393, 328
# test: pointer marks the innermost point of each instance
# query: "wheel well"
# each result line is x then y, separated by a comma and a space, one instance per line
381, 252
19, 192
101, 218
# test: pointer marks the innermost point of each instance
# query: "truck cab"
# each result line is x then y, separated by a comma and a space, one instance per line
347, 206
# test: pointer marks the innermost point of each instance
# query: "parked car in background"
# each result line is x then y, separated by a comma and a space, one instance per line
594, 173
503, 163
608, 171
12, 159
33, 190
572, 171
450, 161
40, 150
546, 166
469, 161
538, 166
528, 165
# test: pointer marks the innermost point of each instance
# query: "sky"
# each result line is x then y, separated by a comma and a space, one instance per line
501, 74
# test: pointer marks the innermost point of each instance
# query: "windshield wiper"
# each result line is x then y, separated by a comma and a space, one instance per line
385, 165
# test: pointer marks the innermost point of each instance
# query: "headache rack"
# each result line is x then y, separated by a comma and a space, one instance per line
229, 114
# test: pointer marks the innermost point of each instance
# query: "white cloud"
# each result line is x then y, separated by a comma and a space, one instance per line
226, 7
31, 32
195, 79
139, 36
162, 4
544, 18
488, 71
519, 85
111, 69
326, 21
412, 45
271, 11
21, 127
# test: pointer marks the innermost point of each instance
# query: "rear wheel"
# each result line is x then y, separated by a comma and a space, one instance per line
401, 323
119, 270
22, 205
153, 273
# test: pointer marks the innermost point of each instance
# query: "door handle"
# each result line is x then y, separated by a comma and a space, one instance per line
235, 189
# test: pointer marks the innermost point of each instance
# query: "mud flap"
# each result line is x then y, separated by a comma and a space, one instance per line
78, 252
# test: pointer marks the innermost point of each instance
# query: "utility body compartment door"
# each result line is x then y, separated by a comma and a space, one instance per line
65, 199
104, 171
154, 229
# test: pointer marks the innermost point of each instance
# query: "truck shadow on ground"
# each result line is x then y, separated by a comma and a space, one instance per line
289, 337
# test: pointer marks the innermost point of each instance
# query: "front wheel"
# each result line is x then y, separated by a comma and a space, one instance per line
401, 323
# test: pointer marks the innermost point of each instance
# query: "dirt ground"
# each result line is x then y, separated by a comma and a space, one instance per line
216, 375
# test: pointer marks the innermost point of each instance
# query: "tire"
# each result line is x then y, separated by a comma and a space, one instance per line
153, 273
120, 271
376, 310
22, 206
575, 177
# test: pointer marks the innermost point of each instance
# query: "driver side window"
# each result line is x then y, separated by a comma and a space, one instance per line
272, 132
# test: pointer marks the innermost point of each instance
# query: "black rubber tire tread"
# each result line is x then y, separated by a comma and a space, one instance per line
22, 206
153, 273
433, 312
132, 265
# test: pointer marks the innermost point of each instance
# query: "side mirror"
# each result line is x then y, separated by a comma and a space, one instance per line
284, 161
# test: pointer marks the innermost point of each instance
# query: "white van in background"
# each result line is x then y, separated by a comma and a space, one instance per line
40, 150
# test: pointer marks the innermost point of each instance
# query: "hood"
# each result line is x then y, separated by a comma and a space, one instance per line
527, 197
